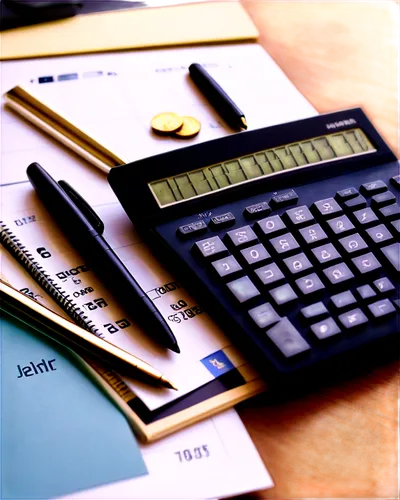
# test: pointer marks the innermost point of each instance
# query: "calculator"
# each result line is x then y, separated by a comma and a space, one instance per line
289, 236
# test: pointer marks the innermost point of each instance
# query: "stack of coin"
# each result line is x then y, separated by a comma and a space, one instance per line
175, 125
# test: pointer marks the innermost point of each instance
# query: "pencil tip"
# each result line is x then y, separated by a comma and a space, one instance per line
167, 383
244, 123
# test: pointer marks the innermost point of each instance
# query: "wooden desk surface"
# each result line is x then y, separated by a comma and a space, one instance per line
341, 442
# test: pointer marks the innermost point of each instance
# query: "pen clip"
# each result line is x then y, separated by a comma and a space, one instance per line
83, 206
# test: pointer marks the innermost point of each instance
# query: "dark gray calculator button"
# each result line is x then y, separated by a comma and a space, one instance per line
391, 212
384, 286
299, 216
395, 226
242, 236
338, 274
264, 315
256, 210
284, 199
326, 254
343, 300
366, 264
395, 181
353, 319
379, 234
270, 274
365, 217
310, 284
392, 254
313, 235
211, 248
271, 226
243, 289
381, 309
193, 228
325, 329
327, 208
287, 339
314, 312
383, 199
255, 255
353, 244
284, 244
396, 303
283, 295
366, 292
297, 264
341, 225
346, 194
227, 267
373, 187
355, 203
222, 220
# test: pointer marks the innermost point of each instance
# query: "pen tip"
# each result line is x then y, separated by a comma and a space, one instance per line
167, 383
175, 348
244, 123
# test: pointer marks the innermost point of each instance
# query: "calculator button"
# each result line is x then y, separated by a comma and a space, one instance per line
326, 254
270, 226
221, 221
284, 244
308, 285
338, 274
254, 211
227, 267
392, 254
210, 248
374, 187
255, 255
270, 274
395, 226
384, 286
287, 339
366, 292
243, 289
299, 216
353, 319
355, 203
242, 236
343, 300
383, 199
353, 244
379, 234
365, 217
314, 312
297, 264
193, 228
396, 303
395, 181
381, 309
346, 194
341, 225
325, 329
327, 208
283, 295
391, 212
313, 235
264, 315
284, 199
367, 264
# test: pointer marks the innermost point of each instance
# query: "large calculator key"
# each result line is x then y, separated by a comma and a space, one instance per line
395, 181
353, 319
255, 255
391, 212
384, 286
310, 285
222, 220
314, 312
283, 295
338, 274
365, 217
270, 275
270, 226
313, 235
299, 216
366, 293
379, 234
383, 199
264, 315
373, 187
192, 229
243, 289
353, 244
210, 248
326, 254
227, 267
240, 237
341, 225
366, 264
297, 264
287, 339
392, 254
326, 209
325, 329
284, 244
344, 300
381, 309
346, 194
395, 227
284, 199
257, 210
356, 203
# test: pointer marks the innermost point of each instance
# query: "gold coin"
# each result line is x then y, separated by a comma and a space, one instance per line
190, 127
166, 122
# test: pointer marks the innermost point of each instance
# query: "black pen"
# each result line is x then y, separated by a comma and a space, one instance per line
82, 226
217, 96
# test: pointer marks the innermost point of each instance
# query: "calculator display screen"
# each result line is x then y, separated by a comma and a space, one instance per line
210, 179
